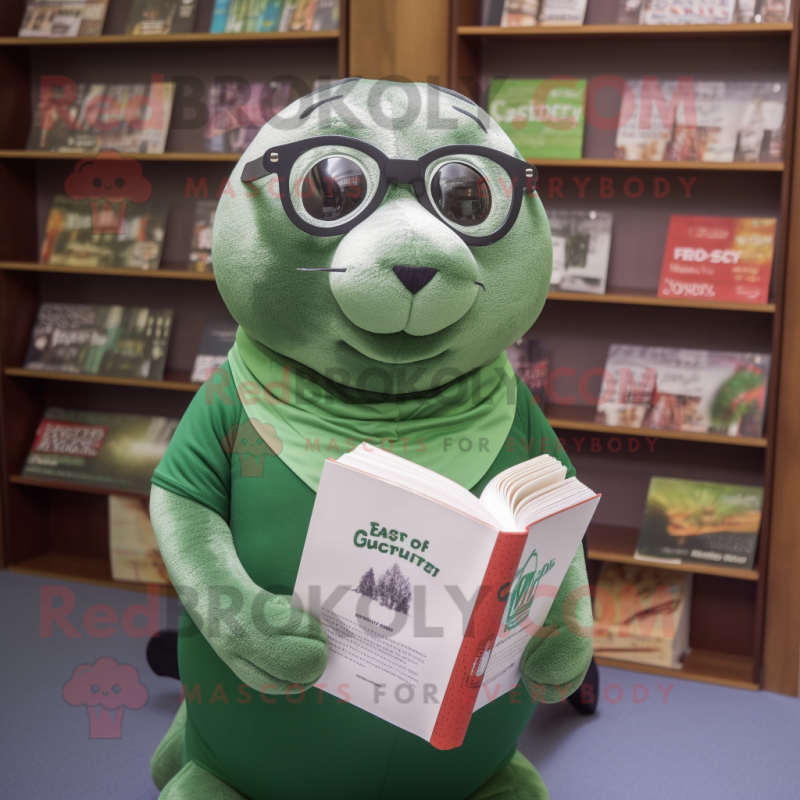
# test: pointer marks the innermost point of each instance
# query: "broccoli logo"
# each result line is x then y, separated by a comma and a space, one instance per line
252, 441
106, 688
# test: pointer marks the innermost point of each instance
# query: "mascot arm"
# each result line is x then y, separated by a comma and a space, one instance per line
557, 657
271, 646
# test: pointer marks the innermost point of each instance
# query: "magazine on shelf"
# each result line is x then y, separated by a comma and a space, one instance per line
728, 259
327, 16
200, 250
70, 239
543, 118
519, 13
642, 614
132, 544
160, 17
562, 12
58, 19
115, 341
700, 522
219, 335
237, 110
101, 449
382, 524
492, 12
715, 121
532, 364
581, 249
774, 11
135, 118
696, 391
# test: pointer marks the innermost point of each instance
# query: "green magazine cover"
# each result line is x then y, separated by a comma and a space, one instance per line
544, 118
700, 522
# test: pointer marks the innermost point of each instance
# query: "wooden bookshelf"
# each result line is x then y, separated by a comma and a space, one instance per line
45, 155
635, 32
724, 599
164, 273
172, 382
175, 39
616, 544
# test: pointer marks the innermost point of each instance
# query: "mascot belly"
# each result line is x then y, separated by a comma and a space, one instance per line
381, 247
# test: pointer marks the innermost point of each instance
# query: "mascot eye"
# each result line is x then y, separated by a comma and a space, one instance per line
461, 194
333, 188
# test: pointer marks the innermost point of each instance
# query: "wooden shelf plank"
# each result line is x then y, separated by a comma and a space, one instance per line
45, 155
175, 382
286, 37
81, 569
643, 299
611, 543
66, 486
700, 665
169, 274
581, 418
735, 31
578, 163
615, 163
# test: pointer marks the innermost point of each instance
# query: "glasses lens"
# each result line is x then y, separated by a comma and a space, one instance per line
333, 188
461, 194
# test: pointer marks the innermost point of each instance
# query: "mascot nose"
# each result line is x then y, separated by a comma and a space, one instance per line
414, 278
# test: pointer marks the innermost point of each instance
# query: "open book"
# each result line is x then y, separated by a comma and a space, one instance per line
428, 594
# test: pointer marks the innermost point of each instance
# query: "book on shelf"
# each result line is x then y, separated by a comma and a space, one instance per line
101, 449
700, 522
728, 259
202, 229
713, 121
581, 250
160, 17
219, 334
532, 364
702, 12
382, 524
774, 11
237, 110
492, 12
326, 17
642, 614
543, 118
132, 544
76, 236
85, 118
58, 19
695, 391
562, 12
114, 341
519, 13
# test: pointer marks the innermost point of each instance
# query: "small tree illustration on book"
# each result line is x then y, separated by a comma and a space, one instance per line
393, 589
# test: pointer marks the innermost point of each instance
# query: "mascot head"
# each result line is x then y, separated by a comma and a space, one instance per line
386, 236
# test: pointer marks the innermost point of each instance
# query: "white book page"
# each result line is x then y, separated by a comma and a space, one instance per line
545, 560
392, 664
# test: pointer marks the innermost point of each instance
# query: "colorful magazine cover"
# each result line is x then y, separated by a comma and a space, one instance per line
519, 13
160, 17
543, 118
200, 250
238, 110
698, 391
58, 19
562, 12
700, 522
132, 543
113, 451
708, 121
581, 249
116, 341
219, 334
718, 258
135, 117
70, 239
326, 17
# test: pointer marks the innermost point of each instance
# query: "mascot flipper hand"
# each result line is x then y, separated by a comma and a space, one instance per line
380, 245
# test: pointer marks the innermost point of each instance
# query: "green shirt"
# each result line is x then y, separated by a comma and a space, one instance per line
316, 744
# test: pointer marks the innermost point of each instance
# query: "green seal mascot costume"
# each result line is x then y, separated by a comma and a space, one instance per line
380, 245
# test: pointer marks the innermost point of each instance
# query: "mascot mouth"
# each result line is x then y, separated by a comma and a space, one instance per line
397, 348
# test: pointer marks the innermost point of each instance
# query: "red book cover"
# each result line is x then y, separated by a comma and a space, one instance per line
728, 259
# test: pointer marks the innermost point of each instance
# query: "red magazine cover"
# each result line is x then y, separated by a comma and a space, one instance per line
718, 258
